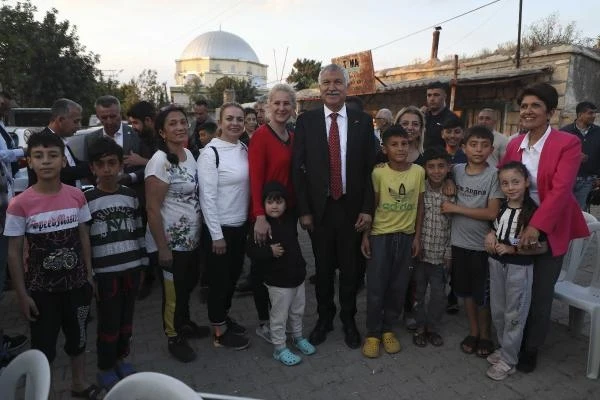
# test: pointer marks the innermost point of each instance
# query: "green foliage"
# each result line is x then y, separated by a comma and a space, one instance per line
548, 31
144, 87
193, 88
305, 73
44, 61
245, 92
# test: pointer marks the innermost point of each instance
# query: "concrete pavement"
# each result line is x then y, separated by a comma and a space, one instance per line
337, 372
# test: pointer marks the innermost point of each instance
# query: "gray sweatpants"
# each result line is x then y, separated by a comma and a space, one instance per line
426, 274
388, 274
287, 310
510, 298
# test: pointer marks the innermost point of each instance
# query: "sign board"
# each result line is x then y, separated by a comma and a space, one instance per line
361, 72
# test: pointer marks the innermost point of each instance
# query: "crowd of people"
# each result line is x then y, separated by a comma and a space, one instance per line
416, 204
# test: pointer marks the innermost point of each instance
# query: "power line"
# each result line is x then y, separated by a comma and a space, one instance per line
436, 24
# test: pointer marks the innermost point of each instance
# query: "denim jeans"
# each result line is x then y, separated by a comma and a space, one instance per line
388, 273
3, 262
426, 274
583, 187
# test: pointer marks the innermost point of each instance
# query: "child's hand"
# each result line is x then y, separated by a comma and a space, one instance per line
449, 188
416, 247
503, 249
490, 243
365, 247
447, 265
448, 207
277, 250
29, 308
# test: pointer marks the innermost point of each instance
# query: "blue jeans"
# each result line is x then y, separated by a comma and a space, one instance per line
583, 187
3, 262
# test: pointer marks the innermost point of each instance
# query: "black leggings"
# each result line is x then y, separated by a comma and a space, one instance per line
223, 270
178, 282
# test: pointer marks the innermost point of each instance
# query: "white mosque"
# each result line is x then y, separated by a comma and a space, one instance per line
213, 55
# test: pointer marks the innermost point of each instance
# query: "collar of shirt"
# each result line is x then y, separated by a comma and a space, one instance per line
118, 133
342, 113
583, 131
539, 145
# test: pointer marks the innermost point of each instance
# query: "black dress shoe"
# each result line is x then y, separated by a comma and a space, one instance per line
527, 361
351, 336
319, 334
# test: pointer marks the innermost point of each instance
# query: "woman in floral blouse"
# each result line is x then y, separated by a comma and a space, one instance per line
174, 224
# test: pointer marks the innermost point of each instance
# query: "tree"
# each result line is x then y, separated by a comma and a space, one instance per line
305, 73
244, 90
43, 61
193, 89
548, 31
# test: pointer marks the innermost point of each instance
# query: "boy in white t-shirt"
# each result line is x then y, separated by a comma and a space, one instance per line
57, 289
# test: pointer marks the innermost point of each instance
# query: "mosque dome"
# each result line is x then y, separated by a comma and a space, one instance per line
221, 45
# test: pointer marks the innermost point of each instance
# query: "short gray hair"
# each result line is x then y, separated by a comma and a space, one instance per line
491, 111
62, 107
107, 101
261, 100
335, 68
282, 87
385, 114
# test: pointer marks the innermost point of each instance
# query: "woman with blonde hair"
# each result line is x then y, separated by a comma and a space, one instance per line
413, 122
270, 159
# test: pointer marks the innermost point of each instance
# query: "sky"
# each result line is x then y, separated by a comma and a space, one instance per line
132, 35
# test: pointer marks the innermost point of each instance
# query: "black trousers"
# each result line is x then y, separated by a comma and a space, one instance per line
546, 270
335, 243
115, 303
223, 270
178, 282
259, 290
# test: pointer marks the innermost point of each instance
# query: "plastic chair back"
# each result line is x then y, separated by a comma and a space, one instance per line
34, 365
151, 386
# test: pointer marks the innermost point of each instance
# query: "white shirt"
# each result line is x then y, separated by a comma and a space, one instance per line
531, 159
342, 121
118, 137
224, 190
8, 156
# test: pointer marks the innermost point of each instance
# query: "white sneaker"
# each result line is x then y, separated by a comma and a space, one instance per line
500, 371
264, 332
494, 357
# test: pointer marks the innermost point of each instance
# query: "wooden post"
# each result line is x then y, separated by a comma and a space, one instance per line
453, 83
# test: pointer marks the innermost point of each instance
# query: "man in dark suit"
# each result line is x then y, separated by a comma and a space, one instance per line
333, 157
65, 120
108, 111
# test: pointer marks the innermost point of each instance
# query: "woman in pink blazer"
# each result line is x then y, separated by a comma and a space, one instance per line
552, 158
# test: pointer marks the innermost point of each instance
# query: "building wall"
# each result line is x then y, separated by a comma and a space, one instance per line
210, 70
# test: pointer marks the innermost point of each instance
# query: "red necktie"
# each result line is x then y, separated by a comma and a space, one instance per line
335, 159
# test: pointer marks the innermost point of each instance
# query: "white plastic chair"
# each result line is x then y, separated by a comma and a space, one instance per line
151, 386
34, 365
583, 298
213, 396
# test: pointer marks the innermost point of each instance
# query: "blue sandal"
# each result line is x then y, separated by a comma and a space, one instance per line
125, 369
304, 346
106, 380
287, 357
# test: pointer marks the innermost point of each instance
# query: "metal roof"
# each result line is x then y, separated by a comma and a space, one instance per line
219, 44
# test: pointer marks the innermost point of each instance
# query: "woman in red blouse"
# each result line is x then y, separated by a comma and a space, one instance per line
270, 158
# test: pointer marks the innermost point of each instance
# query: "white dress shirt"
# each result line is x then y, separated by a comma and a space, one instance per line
531, 159
118, 137
342, 121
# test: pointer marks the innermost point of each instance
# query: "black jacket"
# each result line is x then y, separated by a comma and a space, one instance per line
433, 128
310, 164
289, 270
590, 145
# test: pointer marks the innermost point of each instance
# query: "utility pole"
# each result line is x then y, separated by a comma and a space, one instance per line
518, 56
